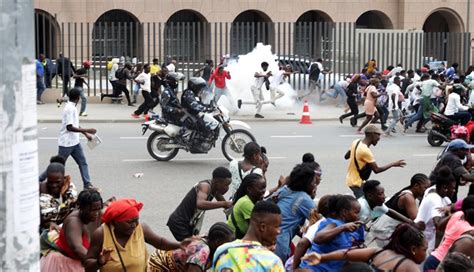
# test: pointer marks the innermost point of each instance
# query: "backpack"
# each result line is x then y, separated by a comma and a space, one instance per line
120, 74
314, 72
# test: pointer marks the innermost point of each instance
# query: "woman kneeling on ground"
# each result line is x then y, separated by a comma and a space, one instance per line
404, 253
197, 256
73, 242
119, 244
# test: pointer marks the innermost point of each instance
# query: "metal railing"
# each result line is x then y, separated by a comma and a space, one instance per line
343, 48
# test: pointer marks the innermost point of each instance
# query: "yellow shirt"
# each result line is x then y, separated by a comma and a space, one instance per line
134, 254
154, 69
364, 156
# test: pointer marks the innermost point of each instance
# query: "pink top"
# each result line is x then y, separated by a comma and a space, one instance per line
455, 228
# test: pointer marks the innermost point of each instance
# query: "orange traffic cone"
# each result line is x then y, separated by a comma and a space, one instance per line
305, 118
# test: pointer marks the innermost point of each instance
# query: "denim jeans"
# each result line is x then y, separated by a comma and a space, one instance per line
394, 121
78, 155
83, 100
416, 117
338, 91
39, 88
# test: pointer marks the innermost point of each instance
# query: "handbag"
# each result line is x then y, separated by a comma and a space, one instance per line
365, 172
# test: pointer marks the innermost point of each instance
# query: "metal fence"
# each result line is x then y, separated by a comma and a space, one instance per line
343, 48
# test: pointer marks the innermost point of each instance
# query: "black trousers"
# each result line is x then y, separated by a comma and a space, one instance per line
353, 106
145, 106
117, 90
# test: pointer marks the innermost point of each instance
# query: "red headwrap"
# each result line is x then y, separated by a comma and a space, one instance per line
122, 210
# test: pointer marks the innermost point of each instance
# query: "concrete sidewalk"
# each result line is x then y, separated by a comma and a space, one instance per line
106, 112
120, 113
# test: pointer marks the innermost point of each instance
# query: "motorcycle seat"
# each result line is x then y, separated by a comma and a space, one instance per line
443, 118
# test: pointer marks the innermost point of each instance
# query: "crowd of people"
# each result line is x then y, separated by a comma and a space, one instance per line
405, 95
425, 226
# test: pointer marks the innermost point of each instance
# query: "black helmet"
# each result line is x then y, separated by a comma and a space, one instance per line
197, 84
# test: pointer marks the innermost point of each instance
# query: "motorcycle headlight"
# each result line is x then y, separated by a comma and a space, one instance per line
225, 112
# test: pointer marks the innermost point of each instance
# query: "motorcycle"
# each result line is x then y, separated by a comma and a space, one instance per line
445, 130
167, 139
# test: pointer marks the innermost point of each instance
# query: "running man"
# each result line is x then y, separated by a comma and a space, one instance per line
261, 77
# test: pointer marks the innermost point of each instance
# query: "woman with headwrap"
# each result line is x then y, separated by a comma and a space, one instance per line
119, 244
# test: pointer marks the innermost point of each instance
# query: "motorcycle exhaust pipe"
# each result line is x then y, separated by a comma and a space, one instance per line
155, 127
442, 136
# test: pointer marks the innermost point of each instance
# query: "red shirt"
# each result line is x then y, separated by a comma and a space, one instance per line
219, 78
62, 244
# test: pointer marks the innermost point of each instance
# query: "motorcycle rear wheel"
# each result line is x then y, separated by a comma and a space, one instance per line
234, 142
434, 140
156, 150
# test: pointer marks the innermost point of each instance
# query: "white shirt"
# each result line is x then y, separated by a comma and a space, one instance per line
69, 117
393, 89
171, 68
259, 80
114, 69
236, 180
312, 230
454, 104
147, 78
427, 211
277, 79
366, 214
394, 71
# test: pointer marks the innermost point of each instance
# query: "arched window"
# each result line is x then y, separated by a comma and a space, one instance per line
47, 33
312, 30
374, 19
249, 28
117, 33
187, 36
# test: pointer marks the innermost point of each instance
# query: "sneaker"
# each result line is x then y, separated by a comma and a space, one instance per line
101, 97
39, 102
341, 119
83, 114
258, 115
421, 130
136, 116
239, 103
89, 186
131, 104
59, 101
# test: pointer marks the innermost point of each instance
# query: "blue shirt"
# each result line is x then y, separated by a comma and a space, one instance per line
295, 208
39, 69
341, 241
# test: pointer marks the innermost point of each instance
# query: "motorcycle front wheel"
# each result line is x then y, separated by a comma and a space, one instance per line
434, 140
234, 142
156, 147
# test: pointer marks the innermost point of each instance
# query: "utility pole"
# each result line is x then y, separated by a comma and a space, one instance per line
19, 197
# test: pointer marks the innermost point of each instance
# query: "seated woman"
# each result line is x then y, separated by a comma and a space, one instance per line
403, 202
57, 197
73, 241
405, 251
335, 232
119, 244
251, 190
296, 202
197, 256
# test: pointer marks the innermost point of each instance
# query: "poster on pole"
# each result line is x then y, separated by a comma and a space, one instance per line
28, 86
25, 186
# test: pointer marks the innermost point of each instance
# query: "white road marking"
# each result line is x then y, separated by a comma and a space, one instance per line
134, 138
292, 136
193, 159
425, 155
47, 138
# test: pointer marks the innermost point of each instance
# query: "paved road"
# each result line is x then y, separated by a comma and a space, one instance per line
163, 184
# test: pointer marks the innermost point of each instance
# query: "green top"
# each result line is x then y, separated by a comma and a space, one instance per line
242, 211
